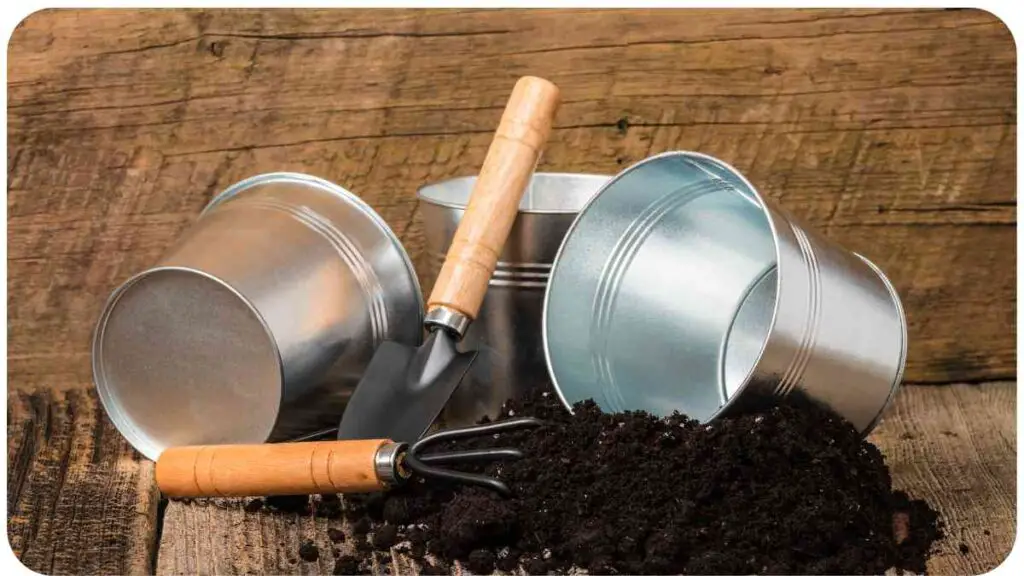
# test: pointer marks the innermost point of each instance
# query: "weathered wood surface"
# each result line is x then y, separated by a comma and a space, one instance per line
80, 500
954, 446
891, 131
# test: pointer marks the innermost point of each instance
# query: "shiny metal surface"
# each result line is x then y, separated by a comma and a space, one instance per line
409, 385
386, 463
259, 322
507, 331
679, 287
445, 317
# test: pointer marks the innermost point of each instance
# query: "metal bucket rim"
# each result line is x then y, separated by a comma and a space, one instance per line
421, 192
901, 312
144, 443
580, 216
343, 194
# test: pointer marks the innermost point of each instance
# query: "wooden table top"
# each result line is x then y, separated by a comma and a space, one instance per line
891, 131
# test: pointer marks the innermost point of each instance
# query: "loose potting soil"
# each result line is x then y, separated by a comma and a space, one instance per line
790, 490
309, 552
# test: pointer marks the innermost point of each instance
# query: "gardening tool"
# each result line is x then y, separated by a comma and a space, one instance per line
333, 467
506, 332
257, 325
405, 387
680, 287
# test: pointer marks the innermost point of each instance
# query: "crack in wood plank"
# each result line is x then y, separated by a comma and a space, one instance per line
738, 39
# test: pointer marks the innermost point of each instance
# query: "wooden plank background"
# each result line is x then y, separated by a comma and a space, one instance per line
892, 131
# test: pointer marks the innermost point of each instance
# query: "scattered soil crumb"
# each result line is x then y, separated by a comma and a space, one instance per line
293, 504
481, 561
329, 507
384, 537
361, 526
309, 552
348, 565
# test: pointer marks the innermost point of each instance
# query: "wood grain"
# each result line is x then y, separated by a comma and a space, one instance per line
79, 499
219, 537
956, 447
892, 131
327, 467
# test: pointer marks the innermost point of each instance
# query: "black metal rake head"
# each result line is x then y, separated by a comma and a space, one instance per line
425, 464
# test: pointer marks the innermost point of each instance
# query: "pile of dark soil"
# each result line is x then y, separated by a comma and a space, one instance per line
791, 490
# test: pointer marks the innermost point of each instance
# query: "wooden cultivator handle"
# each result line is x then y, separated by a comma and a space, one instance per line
494, 202
271, 469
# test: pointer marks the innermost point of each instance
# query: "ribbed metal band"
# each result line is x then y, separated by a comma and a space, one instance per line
346, 248
614, 272
451, 320
794, 373
387, 463
521, 275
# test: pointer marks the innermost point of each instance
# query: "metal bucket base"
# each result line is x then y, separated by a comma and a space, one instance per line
744, 343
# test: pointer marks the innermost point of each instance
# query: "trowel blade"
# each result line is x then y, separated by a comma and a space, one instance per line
404, 389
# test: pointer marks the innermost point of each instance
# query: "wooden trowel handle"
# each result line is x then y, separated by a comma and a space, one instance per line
269, 469
494, 202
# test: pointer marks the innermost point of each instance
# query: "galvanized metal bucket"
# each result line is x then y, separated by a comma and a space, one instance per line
507, 332
257, 325
680, 287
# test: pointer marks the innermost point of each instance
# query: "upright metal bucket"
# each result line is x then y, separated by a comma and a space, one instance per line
507, 331
257, 325
680, 287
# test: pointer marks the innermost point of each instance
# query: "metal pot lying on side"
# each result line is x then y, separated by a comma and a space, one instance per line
680, 287
257, 325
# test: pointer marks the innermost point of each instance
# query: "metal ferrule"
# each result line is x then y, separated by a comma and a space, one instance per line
452, 320
388, 463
